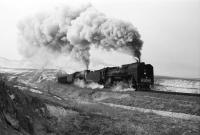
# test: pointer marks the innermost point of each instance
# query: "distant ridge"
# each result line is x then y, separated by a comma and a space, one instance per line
173, 77
7, 63
4, 62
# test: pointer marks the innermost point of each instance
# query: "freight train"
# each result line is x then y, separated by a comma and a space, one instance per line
136, 75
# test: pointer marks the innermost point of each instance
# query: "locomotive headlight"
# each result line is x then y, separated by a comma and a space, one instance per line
145, 72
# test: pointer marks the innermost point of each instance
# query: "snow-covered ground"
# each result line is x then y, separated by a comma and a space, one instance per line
177, 85
34, 75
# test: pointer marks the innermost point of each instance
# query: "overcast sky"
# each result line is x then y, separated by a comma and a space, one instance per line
170, 29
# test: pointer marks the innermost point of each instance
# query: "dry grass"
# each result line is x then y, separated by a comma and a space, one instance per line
78, 113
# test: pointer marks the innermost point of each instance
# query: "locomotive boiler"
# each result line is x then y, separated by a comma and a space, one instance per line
136, 75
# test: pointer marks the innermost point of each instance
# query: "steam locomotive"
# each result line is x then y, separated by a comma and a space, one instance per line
136, 75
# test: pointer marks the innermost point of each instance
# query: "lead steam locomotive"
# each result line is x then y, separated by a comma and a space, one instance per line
136, 75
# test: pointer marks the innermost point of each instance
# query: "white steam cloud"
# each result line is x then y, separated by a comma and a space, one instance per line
64, 37
91, 85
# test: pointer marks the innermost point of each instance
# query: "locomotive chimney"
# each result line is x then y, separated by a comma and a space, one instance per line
137, 59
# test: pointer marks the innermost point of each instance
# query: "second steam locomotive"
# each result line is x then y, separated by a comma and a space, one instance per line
137, 75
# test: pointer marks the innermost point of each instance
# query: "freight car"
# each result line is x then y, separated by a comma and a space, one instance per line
136, 75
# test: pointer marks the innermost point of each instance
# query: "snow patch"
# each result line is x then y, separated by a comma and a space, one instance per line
12, 96
57, 97
35, 91
20, 87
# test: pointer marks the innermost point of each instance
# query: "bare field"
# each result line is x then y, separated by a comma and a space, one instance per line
74, 110
148, 100
96, 118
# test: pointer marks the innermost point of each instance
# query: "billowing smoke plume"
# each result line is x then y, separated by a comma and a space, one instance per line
72, 32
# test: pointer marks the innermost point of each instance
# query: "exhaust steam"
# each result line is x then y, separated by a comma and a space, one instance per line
122, 87
91, 85
63, 38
